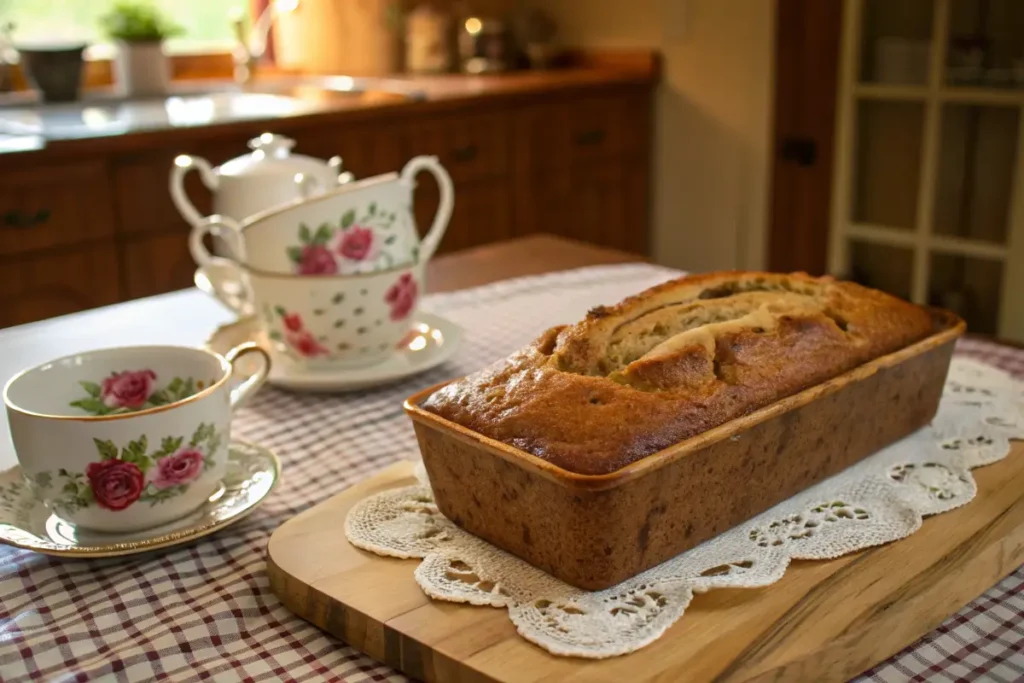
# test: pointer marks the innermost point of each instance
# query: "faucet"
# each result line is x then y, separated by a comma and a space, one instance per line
252, 47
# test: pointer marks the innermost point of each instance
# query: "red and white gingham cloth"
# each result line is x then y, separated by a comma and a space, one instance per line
205, 611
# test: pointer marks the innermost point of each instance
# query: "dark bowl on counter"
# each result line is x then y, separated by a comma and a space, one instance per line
55, 71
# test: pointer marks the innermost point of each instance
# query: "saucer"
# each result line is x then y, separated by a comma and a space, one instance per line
25, 522
432, 341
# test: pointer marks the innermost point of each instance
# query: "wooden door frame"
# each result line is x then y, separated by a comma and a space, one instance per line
808, 34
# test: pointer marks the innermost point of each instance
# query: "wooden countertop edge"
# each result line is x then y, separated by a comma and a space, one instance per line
445, 93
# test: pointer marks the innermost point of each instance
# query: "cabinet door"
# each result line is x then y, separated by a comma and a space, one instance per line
603, 204
142, 184
482, 214
39, 288
50, 206
157, 264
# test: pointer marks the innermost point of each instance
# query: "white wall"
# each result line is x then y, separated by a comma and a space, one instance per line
713, 130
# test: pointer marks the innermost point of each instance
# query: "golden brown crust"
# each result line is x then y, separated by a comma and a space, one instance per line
673, 361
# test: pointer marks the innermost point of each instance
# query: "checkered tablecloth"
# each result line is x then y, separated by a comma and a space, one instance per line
205, 611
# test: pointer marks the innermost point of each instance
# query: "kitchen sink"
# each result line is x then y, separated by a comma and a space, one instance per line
103, 112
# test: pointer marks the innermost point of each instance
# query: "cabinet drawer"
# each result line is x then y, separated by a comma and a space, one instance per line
48, 286
471, 146
587, 130
50, 206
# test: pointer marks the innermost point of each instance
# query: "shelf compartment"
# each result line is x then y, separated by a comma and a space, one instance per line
896, 45
887, 166
975, 173
970, 287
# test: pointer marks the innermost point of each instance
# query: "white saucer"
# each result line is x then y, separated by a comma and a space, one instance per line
436, 340
25, 522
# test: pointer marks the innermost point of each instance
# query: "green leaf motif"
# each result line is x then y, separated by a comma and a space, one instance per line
348, 219
390, 239
93, 406
188, 389
135, 452
280, 311
107, 449
323, 234
275, 335
203, 432
295, 254
337, 298
168, 446
304, 234
43, 480
70, 487
92, 388
159, 398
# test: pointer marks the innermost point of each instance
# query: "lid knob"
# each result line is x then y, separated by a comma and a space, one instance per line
272, 144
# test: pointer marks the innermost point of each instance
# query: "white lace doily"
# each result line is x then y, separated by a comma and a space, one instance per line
881, 499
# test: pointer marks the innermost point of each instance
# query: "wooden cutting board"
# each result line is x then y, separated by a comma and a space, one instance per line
824, 621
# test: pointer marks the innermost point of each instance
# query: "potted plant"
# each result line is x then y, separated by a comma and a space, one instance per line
139, 29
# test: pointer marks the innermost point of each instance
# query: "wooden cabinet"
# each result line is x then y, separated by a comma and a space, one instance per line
94, 228
59, 283
156, 264
55, 206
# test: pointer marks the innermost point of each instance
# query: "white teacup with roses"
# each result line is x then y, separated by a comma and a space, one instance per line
125, 439
359, 228
329, 323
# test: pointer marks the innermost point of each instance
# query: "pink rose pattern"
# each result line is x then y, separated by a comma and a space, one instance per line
184, 466
115, 484
298, 337
356, 243
131, 390
336, 248
402, 296
317, 260
124, 476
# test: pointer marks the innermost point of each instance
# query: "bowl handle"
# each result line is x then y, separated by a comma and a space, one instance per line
444, 210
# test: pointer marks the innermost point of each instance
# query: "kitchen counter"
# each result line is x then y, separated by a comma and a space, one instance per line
194, 109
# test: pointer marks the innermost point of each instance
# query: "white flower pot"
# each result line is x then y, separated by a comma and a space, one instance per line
141, 69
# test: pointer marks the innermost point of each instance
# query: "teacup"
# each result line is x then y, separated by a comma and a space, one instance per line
124, 439
360, 227
329, 322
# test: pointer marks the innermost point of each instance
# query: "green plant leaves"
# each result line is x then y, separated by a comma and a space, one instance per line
305, 236
323, 234
107, 449
295, 254
373, 208
168, 446
348, 219
203, 432
135, 452
92, 388
280, 311
93, 406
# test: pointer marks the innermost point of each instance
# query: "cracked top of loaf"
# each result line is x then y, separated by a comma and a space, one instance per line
673, 361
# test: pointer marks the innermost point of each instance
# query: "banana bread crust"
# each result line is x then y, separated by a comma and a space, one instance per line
673, 361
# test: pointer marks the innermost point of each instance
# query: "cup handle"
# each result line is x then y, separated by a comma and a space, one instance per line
220, 226
184, 163
234, 291
444, 210
244, 391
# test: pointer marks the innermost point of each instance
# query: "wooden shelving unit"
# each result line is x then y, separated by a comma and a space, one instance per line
927, 198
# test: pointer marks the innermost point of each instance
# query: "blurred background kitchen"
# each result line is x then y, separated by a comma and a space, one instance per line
875, 139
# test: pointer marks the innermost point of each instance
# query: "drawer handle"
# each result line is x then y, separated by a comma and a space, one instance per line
467, 153
590, 137
17, 219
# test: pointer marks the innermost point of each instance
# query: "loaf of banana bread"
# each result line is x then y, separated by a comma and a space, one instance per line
673, 361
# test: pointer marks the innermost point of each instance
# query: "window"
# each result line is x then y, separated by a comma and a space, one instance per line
207, 23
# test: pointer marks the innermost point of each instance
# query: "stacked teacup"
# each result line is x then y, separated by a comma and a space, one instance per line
334, 278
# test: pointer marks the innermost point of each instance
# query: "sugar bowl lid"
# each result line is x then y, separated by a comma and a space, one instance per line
271, 156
